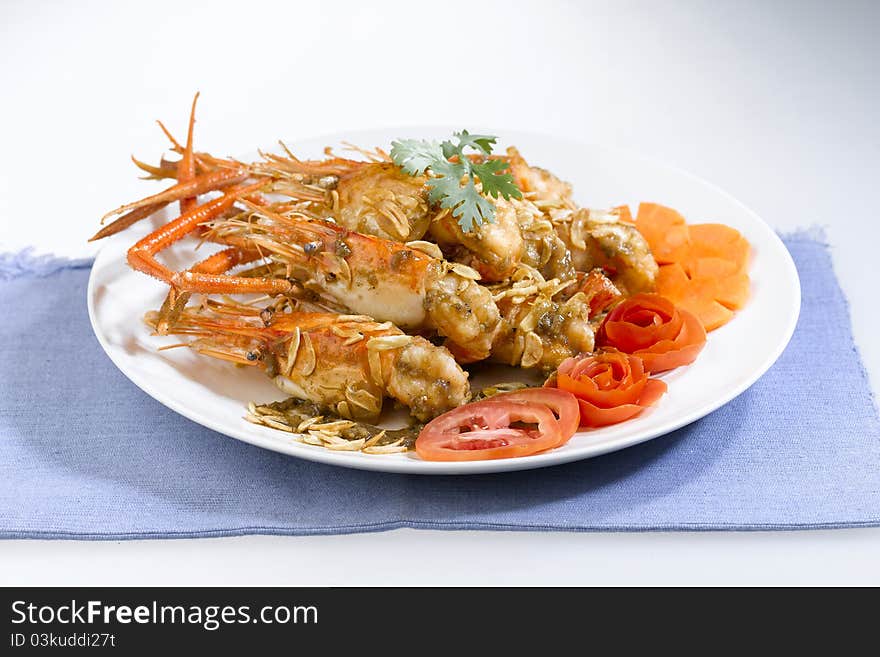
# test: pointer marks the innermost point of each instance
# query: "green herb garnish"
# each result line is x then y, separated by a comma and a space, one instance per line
468, 205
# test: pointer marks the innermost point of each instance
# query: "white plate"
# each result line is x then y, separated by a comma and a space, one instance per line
215, 393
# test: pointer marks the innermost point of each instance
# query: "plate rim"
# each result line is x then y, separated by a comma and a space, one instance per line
553, 457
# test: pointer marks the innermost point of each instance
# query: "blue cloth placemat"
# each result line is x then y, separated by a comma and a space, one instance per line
85, 454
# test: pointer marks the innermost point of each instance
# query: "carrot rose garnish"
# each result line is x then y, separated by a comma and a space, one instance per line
610, 386
654, 329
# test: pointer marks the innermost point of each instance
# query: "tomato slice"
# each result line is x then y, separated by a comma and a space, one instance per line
683, 350
610, 386
596, 416
563, 404
639, 322
482, 430
609, 378
654, 329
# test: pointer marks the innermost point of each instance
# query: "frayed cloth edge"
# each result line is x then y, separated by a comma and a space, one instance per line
26, 263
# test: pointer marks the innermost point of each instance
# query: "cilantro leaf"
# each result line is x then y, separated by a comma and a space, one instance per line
446, 169
482, 143
449, 149
414, 156
468, 206
453, 175
442, 187
496, 184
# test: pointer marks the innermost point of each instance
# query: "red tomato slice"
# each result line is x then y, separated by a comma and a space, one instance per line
608, 379
651, 327
639, 322
610, 386
596, 416
482, 430
563, 404
683, 350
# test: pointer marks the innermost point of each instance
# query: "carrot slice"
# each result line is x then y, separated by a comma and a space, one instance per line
730, 291
703, 267
711, 313
716, 241
672, 282
712, 267
665, 231
698, 296
623, 214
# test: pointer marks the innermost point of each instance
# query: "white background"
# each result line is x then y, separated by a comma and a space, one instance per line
776, 102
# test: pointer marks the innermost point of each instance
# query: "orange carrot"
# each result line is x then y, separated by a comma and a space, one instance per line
624, 214
703, 267
695, 296
717, 241
665, 230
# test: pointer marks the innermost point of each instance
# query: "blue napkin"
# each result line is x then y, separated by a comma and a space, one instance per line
85, 454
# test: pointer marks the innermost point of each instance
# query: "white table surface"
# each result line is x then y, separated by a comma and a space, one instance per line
777, 102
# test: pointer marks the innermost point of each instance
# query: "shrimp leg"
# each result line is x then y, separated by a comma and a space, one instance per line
218, 263
199, 185
186, 169
126, 220
142, 256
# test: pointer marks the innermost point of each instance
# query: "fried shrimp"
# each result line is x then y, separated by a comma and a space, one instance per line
537, 184
384, 279
493, 249
520, 234
539, 326
599, 239
372, 197
345, 363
